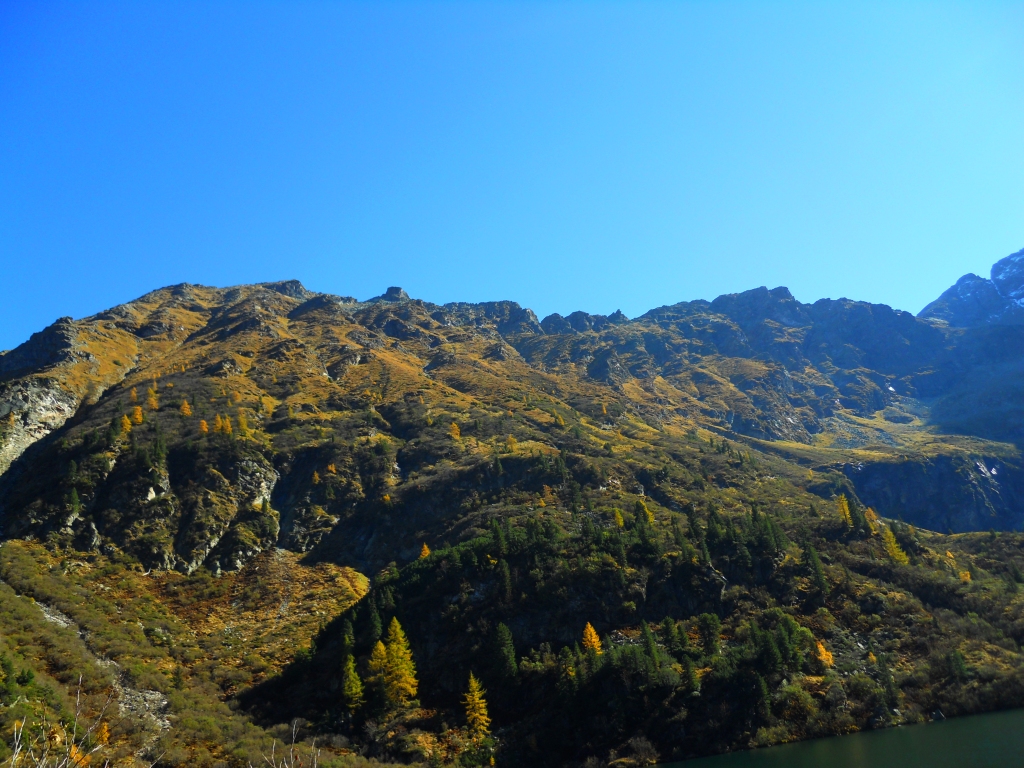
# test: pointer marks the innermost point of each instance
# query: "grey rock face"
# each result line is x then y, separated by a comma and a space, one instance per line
31, 409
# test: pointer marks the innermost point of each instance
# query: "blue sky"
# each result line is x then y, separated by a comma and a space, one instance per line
568, 156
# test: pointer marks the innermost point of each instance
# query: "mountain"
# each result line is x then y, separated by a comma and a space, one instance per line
838, 485
975, 301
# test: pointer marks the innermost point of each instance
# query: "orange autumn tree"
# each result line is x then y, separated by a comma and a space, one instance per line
425, 551
591, 640
137, 414
186, 409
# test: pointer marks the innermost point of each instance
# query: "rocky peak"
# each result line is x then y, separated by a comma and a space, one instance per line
1008, 277
292, 288
392, 294
760, 304
44, 349
974, 301
581, 322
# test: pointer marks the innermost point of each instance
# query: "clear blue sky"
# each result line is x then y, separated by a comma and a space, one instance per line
564, 155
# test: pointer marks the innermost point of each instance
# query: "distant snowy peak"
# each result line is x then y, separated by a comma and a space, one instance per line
973, 300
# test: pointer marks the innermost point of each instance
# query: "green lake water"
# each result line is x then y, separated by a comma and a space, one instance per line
982, 741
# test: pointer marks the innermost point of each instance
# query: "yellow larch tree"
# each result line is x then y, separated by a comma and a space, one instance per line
151, 402
424, 551
218, 423
226, 425
843, 507
823, 654
137, 414
454, 431
476, 709
378, 666
126, 425
133, 395
186, 409
400, 683
204, 428
893, 548
591, 640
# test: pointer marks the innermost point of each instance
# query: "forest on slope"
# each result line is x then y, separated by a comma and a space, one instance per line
721, 525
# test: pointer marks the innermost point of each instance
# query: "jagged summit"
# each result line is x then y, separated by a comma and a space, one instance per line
974, 301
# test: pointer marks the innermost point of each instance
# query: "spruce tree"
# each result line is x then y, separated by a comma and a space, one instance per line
709, 626
351, 685
505, 653
817, 571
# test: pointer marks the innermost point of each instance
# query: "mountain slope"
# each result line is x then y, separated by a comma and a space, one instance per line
687, 463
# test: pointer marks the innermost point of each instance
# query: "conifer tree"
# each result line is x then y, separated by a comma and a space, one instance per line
378, 666
151, 402
376, 628
505, 653
126, 425
892, 547
454, 431
76, 504
843, 507
226, 425
133, 395
591, 640
351, 685
504, 581
186, 409
204, 428
476, 709
650, 644
709, 626
643, 513
817, 571
400, 677
690, 678
668, 633
218, 423
137, 415
424, 551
